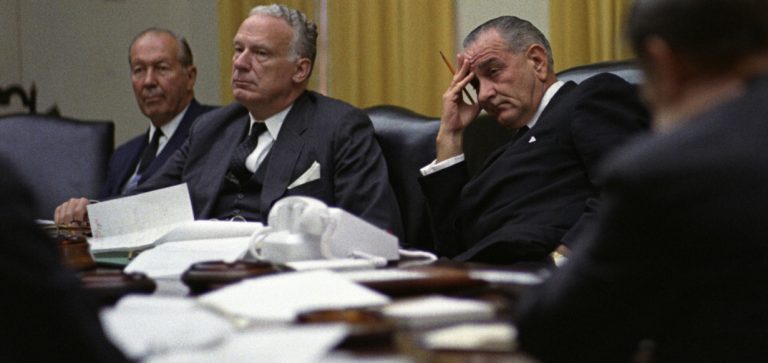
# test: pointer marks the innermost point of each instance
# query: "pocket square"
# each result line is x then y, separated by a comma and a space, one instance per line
313, 173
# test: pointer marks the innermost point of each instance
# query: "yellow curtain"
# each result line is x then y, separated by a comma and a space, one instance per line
231, 14
587, 31
376, 51
387, 52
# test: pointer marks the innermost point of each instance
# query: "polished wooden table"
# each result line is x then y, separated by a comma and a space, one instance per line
368, 341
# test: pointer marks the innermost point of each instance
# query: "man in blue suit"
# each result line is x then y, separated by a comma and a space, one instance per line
163, 77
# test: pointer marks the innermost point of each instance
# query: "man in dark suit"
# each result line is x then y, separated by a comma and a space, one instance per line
675, 269
46, 317
536, 191
163, 76
279, 139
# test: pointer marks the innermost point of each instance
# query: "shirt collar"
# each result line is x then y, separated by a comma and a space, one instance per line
274, 123
170, 127
548, 94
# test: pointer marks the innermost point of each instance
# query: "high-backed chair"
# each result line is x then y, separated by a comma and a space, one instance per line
407, 140
27, 100
59, 158
626, 69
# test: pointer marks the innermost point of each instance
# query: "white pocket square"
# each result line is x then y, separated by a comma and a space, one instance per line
313, 173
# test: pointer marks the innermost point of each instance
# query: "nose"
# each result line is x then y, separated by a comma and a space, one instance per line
239, 61
150, 78
485, 92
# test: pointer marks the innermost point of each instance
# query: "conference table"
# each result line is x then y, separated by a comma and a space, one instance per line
371, 337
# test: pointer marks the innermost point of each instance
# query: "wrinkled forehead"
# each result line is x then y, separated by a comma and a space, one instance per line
488, 46
154, 47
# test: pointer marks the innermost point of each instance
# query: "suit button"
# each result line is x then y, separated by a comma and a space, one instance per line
240, 196
237, 211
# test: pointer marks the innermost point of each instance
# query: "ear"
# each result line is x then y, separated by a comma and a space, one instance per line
667, 73
192, 76
301, 73
536, 55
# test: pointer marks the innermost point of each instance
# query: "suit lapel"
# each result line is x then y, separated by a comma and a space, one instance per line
567, 87
285, 152
218, 155
178, 138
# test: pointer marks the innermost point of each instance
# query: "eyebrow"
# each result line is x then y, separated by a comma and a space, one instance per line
487, 62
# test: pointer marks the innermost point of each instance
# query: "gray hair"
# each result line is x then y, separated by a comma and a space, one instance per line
185, 52
518, 33
304, 43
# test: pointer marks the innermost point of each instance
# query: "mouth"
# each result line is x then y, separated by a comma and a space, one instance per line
238, 83
152, 98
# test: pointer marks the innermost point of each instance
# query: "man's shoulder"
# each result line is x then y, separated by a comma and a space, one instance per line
326, 106
196, 108
232, 111
133, 144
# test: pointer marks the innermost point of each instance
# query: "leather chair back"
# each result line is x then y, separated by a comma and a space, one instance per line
407, 140
626, 69
59, 158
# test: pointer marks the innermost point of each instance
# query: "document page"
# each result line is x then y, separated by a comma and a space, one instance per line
143, 325
273, 344
173, 258
281, 297
136, 221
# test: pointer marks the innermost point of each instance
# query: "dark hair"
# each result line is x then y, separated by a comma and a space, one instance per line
518, 33
711, 35
185, 52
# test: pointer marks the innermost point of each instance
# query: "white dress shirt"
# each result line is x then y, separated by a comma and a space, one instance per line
168, 130
274, 123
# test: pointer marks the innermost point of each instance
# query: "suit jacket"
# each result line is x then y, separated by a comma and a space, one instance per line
678, 255
536, 188
318, 129
126, 157
46, 316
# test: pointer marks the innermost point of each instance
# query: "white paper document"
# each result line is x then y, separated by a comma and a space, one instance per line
144, 325
173, 258
296, 344
438, 310
135, 222
281, 297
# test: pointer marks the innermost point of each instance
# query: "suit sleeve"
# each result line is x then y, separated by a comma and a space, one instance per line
608, 114
361, 180
586, 311
442, 190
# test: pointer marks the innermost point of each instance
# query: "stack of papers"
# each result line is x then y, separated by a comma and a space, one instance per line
135, 222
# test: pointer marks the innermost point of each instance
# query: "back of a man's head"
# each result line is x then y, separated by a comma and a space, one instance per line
710, 35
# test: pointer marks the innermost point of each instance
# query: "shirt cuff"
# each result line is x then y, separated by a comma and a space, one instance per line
434, 166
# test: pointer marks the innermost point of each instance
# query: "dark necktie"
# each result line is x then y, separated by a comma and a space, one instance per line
150, 152
520, 132
237, 163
